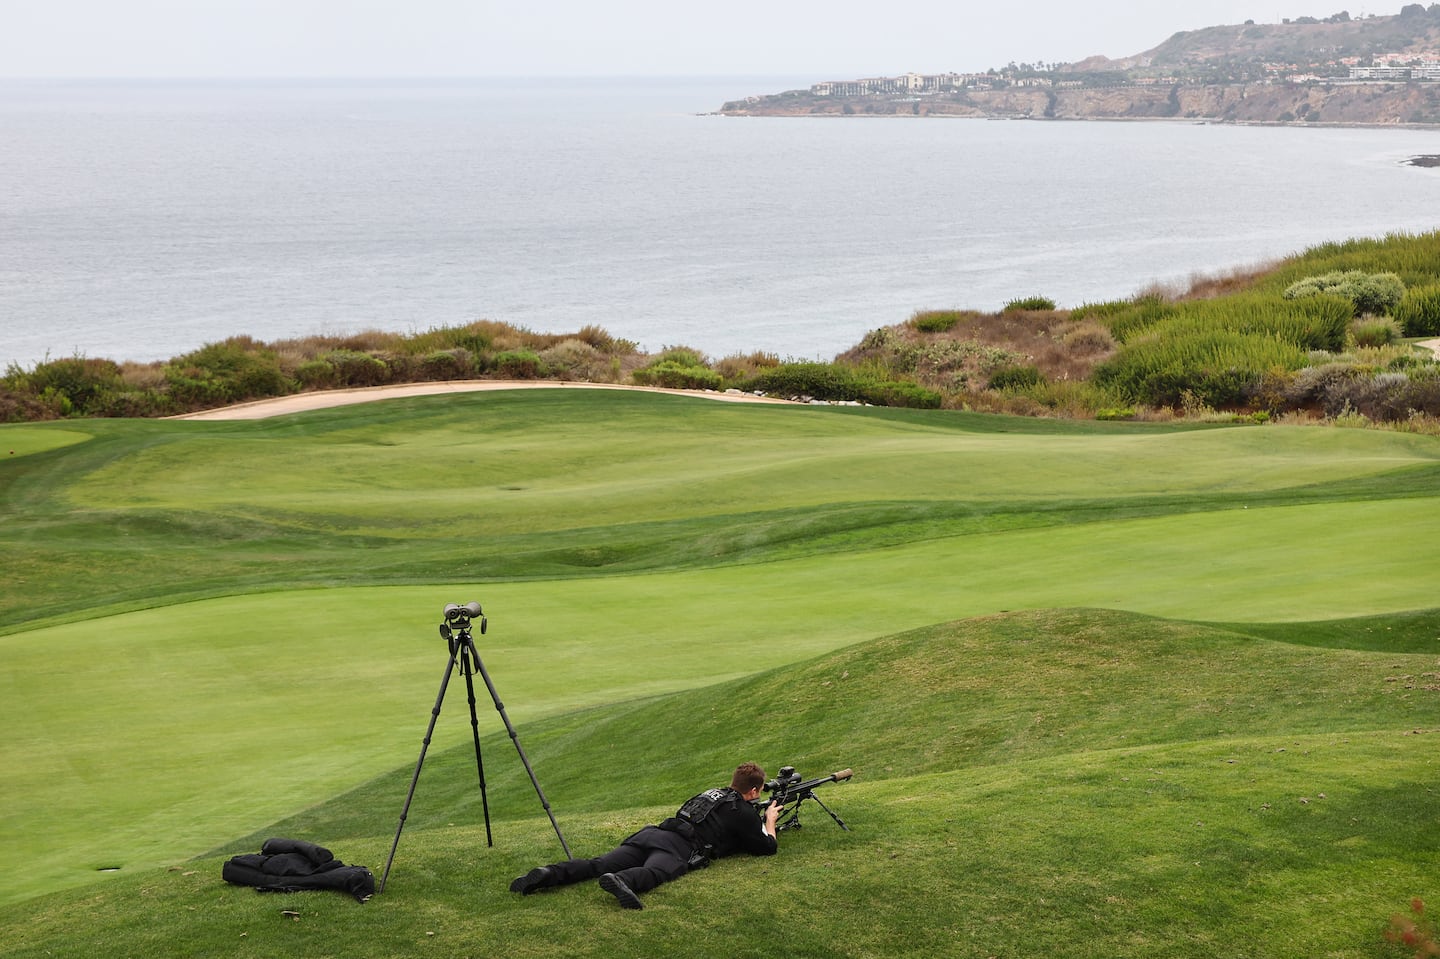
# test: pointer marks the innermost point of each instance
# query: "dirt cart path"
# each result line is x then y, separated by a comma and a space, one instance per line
324, 399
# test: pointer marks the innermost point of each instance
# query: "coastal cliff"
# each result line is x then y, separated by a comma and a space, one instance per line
1370, 71
1359, 104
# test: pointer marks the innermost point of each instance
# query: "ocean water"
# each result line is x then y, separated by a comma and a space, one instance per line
140, 220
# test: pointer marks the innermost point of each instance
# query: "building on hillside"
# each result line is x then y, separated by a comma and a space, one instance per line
906, 83
1380, 73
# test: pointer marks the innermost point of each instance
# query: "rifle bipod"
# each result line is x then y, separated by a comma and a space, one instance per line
791, 819
787, 788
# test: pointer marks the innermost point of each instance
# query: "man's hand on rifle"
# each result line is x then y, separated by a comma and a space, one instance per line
772, 815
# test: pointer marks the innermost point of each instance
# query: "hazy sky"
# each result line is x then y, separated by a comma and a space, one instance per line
830, 39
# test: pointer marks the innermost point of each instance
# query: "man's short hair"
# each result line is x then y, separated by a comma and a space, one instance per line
747, 776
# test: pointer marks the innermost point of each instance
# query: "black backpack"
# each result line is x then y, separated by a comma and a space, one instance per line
293, 865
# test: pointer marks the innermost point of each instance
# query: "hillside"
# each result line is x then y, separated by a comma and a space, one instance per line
1310, 43
1069, 783
1339, 70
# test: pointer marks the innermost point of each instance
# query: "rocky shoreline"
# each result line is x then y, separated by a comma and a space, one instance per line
1350, 104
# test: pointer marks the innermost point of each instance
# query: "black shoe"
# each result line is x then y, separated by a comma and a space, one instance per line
532, 881
623, 894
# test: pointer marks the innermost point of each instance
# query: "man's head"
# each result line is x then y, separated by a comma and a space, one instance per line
748, 778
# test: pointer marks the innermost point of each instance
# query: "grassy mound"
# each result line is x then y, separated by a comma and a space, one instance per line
1067, 782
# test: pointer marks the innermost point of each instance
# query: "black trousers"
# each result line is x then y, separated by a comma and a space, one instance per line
643, 861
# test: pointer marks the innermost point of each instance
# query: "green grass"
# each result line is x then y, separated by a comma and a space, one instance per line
212, 631
511, 486
1066, 782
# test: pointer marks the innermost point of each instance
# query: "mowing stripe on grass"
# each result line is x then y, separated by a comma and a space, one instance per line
206, 720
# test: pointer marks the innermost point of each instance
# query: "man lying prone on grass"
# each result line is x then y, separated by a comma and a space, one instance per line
710, 825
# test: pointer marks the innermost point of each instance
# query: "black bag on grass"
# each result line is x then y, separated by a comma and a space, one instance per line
293, 865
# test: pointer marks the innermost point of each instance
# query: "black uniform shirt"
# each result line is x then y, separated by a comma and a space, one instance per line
735, 827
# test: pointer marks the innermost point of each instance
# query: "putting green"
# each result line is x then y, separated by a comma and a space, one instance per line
478, 475
23, 440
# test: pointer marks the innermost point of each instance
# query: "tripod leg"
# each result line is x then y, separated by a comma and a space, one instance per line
429, 731
515, 738
475, 731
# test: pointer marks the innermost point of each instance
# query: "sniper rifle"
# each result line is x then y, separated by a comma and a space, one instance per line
789, 791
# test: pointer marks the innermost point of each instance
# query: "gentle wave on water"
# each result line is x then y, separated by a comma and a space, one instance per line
141, 220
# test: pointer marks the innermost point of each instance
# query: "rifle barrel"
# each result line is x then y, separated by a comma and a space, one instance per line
801, 790
810, 784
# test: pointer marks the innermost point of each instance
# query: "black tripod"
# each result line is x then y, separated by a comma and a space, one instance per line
456, 632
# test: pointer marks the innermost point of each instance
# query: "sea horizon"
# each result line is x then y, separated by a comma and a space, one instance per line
146, 217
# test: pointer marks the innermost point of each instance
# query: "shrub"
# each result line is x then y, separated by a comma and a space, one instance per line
1221, 368
1310, 386
1088, 338
1015, 378
475, 339
1410, 361
225, 372
1374, 332
451, 364
1313, 323
1131, 318
826, 381
519, 365
1418, 311
900, 393
605, 343
70, 385
22, 406
949, 356
1319, 324
1384, 397
1073, 399
400, 367
678, 368
937, 321
1412, 257
1369, 292
575, 358
737, 367
354, 368
1029, 303
316, 375
1274, 390
1107, 309
883, 338
680, 356
676, 376
132, 403
840, 383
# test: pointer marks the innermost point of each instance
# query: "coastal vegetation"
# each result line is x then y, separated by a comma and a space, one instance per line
1168, 687
1332, 334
